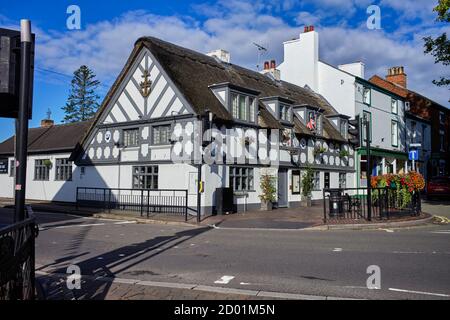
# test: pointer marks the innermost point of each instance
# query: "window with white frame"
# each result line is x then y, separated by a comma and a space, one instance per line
394, 133
243, 107
343, 128
342, 180
394, 106
413, 132
316, 180
145, 177
366, 95
285, 113
252, 109
130, 137
42, 169
63, 170
161, 134
241, 178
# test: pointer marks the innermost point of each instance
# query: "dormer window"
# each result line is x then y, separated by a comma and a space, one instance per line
285, 112
343, 128
243, 107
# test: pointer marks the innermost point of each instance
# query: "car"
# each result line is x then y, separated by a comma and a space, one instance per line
438, 187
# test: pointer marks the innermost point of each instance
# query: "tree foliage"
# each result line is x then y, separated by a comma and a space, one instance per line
82, 103
439, 47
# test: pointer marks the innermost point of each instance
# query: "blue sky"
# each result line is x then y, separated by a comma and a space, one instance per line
109, 29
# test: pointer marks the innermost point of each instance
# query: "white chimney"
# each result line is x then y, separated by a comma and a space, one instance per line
355, 68
301, 58
220, 54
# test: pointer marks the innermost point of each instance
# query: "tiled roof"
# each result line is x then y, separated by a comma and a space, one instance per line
57, 138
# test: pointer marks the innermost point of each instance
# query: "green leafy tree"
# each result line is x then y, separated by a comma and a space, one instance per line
82, 103
307, 182
439, 47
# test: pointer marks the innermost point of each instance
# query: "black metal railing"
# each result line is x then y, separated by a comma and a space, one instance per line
144, 201
17, 258
352, 204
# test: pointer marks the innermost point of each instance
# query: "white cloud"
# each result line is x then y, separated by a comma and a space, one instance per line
306, 18
234, 26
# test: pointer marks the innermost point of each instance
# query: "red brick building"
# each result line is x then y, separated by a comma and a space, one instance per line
438, 115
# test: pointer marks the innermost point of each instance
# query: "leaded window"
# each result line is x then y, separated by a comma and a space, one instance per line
316, 180
130, 137
161, 134
241, 178
342, 180
63, 170
145, 177
42, 169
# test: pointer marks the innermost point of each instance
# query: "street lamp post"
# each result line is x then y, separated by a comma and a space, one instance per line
366, 123
22, 121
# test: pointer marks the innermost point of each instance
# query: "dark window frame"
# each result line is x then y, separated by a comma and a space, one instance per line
244, 175
158, 129
63, 169
130, 137
140, 176
41, 171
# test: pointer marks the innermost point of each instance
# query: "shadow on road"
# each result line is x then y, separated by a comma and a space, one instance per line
109, 263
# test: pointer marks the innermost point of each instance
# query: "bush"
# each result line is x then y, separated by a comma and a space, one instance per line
268, 188
307, 182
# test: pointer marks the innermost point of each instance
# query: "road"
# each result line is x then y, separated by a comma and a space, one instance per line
414, 262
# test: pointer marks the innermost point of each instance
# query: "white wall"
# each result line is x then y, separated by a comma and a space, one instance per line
301, 58
338, 88
380, 108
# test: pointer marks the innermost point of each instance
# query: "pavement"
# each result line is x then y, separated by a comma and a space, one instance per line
184, 262
282, 218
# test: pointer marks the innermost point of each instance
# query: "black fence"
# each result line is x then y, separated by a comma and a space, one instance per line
144, 201
352, 204
17, 259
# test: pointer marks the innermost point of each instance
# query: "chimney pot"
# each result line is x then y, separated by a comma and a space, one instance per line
397, 75
273, 64
266, 65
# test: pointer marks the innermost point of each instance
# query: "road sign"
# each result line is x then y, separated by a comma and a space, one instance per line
415, 145
413, 155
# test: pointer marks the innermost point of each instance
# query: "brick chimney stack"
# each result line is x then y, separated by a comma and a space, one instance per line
47, 123
397, 75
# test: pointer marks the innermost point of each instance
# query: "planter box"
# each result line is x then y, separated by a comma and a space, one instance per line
266, 206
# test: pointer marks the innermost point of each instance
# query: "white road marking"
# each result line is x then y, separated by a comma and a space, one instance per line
441, 232
72, 226
125, 222
387, 230
337, 249
420, 292
224, 280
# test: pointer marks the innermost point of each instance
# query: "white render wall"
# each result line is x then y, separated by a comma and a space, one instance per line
380, 108
338, 88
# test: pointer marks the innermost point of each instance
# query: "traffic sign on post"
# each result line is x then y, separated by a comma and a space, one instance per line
413, 155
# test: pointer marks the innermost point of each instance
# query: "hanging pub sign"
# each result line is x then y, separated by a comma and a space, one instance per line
3, 166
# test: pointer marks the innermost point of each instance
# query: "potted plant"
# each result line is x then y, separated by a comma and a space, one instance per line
343, 154
307, 186
48, 163
319, 150
268, 192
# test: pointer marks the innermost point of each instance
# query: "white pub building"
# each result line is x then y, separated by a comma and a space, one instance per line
172, 111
